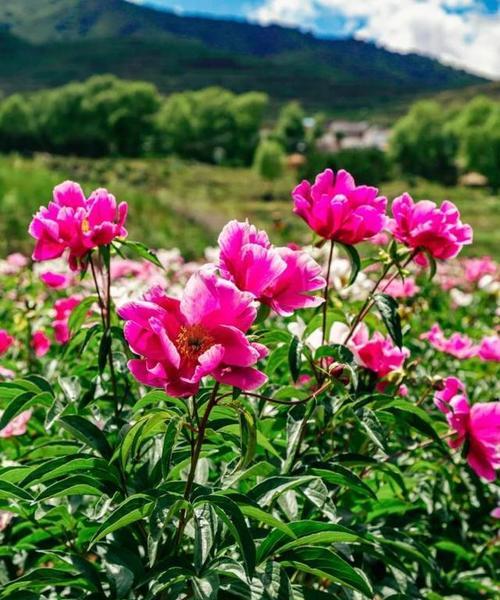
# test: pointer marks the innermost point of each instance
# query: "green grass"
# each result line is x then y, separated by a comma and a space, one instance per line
174, 203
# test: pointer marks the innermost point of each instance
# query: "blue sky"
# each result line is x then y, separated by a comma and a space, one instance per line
465, 33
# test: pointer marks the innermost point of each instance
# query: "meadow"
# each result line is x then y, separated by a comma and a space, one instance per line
188, 203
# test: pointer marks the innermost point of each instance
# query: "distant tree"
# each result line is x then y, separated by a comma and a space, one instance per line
423, 144
476, 126
212, 125
269, 160
17, 124
290, 129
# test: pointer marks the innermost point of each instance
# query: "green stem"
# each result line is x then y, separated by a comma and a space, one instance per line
195, 456
326, 291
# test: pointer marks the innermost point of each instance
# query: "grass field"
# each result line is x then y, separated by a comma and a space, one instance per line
174, 203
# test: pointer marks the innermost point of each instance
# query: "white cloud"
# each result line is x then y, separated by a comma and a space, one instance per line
457, 32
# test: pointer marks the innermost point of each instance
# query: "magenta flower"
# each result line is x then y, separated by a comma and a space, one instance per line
489, 348
378, 353
56, 281
72, 222
6, 341
458, 345
17, 426
336, 209
398, 288
478, 425
40, 343
182, 341
282, 278
64, 307
429, 227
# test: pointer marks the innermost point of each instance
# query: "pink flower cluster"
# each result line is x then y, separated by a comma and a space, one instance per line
377, 353
64, 307
279, 277
56, 281
478, 426
6, 341
40, 343
398, 288
423, 225
75, 223
182, 341
336, 209
17, 426
461, 346
476, 268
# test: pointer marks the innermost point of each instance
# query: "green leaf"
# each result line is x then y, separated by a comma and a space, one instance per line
169, 441
143, 251
23, 402
72, 486
79, 314
355, 261
45, 578
294, 353
432, 264
205, 530
415, 416
302, 531
255, 513
248, 439
339, 352
270, 489
339, 475
324, 563
88, 433
388, 308
234, 520
134, 508
9, 490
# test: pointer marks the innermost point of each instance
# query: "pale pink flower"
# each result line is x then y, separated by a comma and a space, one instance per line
478, 426
458, 345
489, 348
6, 341
72, 222
279, 277
476, 268
203, 334
6, 373
14, 263
56, 281
380, 239
40, 343
377, 353
423, 225
336, 209
17, 426
5, 519
495, 513
398, 288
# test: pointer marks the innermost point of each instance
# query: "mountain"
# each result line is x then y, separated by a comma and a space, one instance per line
51, 42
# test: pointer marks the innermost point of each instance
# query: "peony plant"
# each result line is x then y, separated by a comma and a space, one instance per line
273, 422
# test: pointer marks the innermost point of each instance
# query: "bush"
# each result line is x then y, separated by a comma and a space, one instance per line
423, 144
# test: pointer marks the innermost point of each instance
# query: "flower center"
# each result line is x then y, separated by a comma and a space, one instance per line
193, 341
85, 226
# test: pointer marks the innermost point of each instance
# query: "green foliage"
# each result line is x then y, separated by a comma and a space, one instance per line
211, 125
290, 131
367, 165
422, 144
269, 160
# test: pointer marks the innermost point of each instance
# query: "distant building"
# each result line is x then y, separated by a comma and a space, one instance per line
340, 135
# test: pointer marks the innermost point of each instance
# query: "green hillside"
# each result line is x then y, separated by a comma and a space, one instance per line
51, 42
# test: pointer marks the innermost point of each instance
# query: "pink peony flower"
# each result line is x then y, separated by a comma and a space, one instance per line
378, 353
40, 343
475, 268
72, 222
64, 307
182, 341
17, 426
478, 425
5, 519
279, 277
380, 239
336, 209
429, 227
458, 345
401, 289
6, 341
56, 281
495, 513
489, 348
